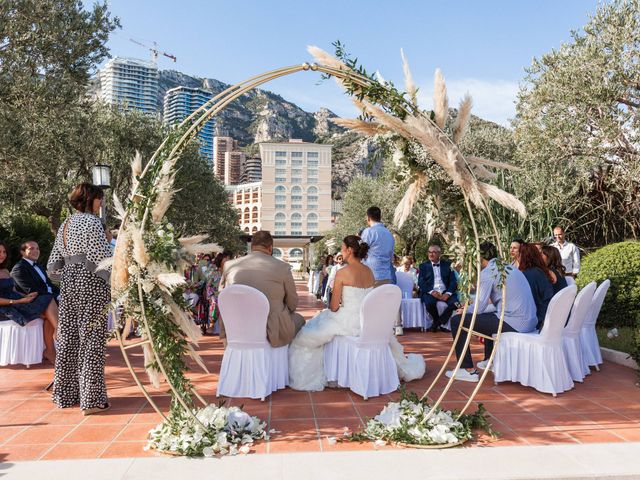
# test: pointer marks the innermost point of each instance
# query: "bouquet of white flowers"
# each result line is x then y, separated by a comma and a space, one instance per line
221, 431
407, 422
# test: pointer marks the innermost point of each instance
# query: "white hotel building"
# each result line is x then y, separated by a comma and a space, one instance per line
293, 200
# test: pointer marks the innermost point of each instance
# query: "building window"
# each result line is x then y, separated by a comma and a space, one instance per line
280, 190
281, 179
295, 253
277, 253
281, 161
254, 214
296, 163
296, 206
246, 215
296, 224
312, 154
296, 171
281, 154
254, 230
280, 222
281, 171
296, 154
312, 163
312, 195
296, 181
312, 207
246, 229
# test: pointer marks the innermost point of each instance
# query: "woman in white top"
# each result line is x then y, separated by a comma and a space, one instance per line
406, 266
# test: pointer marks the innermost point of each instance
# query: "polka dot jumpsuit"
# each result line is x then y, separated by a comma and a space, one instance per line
84, 294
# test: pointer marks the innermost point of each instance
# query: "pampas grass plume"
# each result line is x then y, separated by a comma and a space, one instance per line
140, 254
461, 123
440, 100
409, 84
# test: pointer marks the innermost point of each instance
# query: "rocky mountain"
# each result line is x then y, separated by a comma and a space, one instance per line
260, 116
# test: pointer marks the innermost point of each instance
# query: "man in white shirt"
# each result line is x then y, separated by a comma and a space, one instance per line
519, 316
568, 251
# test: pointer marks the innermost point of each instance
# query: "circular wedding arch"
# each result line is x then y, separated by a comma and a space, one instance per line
195, 122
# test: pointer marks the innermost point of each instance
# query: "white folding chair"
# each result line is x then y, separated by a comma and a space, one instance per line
365, 364
589, 339
571, 340
412, 311
21, 345
251, 368
537, 360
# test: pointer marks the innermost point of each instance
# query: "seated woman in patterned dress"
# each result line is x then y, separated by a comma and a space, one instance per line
24, 308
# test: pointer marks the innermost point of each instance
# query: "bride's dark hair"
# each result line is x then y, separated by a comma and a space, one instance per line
355, 243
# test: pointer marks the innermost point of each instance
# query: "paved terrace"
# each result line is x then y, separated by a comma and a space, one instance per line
605, 408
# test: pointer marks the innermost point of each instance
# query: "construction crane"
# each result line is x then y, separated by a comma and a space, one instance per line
154, 51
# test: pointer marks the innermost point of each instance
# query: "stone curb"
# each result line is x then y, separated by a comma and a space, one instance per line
621, 358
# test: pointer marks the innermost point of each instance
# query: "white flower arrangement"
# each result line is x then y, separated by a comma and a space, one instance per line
227, 431
407, 422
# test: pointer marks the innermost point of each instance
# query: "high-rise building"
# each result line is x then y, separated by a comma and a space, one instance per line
227, 160
251, 170
129, 83
179, 103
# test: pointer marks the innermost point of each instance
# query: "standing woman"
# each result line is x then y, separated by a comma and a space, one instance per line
79, 248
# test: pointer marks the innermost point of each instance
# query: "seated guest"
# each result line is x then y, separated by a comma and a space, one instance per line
24, 308
406, 266
539, 278
553, 260
29, 275
514, 251
273, 278
437, 283
519, 311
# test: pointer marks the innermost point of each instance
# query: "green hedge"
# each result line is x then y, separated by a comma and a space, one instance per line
26, 227
620, 263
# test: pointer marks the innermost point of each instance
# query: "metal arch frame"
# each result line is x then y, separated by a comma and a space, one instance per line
205, 113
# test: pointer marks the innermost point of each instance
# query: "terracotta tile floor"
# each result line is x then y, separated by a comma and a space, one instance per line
605, 408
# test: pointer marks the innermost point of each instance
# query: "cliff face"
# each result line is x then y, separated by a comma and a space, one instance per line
260, 116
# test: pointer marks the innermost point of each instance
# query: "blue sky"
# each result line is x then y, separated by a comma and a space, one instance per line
481, 46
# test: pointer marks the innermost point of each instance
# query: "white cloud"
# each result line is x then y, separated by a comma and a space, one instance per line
492, 99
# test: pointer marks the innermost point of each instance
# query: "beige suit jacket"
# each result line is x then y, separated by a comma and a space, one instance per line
273, 278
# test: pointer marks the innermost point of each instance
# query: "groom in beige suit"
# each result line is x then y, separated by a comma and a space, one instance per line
272, 277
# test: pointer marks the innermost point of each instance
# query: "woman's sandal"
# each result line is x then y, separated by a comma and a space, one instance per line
94, 410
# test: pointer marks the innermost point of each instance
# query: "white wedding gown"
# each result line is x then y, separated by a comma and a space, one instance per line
306, 358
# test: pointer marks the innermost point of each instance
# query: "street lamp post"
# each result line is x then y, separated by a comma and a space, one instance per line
101, 175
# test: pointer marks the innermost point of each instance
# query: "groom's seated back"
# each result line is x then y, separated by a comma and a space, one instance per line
272, 277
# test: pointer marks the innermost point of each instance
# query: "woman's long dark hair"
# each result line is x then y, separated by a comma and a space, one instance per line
355, 243
530, 257
6, 260
554, 260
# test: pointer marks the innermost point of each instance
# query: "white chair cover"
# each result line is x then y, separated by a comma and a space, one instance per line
570, 280
571, 339
589, 339
365, 364
21, 345
412, 311
251, 368
441, 306
537, 360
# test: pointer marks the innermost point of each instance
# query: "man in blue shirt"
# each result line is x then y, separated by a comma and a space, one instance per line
381, 246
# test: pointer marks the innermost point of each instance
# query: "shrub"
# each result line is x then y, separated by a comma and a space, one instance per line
620, 263
27, 227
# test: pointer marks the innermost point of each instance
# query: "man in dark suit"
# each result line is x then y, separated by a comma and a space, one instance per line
29, 275
437, 283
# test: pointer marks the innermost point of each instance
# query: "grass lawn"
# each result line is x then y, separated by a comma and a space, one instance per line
623, 343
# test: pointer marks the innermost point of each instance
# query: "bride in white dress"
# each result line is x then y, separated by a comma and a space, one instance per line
352, 283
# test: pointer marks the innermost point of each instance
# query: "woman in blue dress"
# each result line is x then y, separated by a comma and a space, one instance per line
23, 308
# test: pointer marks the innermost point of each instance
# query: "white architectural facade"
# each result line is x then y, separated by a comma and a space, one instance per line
130, 83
